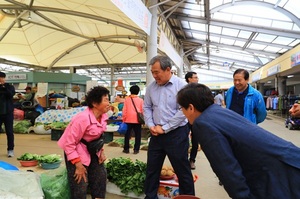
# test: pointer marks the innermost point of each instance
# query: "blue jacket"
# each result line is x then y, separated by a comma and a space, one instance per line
254, 106
251, 162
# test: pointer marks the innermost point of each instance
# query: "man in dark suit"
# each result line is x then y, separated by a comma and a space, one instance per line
250, 161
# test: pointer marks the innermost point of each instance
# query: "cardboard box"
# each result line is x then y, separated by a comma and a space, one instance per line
170, 188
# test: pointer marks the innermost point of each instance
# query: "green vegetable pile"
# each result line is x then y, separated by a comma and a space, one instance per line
58, 125
28, 157
49, 158
129, 176
120, 142
22, 126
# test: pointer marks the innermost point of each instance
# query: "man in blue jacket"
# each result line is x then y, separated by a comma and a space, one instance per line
251, 162
243, 99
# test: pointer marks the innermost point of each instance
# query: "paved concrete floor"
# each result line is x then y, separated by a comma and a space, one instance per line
206, 186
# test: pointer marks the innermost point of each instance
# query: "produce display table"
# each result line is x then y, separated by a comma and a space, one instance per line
63, 115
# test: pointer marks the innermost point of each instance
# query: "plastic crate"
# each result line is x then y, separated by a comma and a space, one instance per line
56, 134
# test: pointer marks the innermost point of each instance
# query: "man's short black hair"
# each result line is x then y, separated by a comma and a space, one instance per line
189, 75
242, 71
2, 74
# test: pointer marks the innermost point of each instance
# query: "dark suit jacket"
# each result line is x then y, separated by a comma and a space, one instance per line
250, 161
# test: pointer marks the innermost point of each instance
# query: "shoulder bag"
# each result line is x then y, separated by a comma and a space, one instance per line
94, 146
140, 116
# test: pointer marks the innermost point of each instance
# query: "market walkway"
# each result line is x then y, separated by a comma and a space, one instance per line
207, 186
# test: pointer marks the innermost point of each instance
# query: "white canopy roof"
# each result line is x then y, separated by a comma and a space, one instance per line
48, 35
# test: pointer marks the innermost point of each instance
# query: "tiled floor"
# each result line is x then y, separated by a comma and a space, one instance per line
206, 186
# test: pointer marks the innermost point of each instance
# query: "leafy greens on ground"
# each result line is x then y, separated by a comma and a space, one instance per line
129, 176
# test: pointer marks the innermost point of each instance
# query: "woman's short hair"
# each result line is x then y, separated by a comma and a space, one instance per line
95, 95
134, 89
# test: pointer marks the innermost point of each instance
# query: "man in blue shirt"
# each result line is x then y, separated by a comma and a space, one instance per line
168, 127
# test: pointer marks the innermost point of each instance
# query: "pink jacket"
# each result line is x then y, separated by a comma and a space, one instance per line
83, 125
128, 113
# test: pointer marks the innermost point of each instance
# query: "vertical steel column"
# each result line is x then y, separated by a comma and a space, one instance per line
152, 40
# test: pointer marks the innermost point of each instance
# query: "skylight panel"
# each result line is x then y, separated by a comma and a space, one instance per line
244, 34
241, 19
295, 42
215, 29
264, 60
215, 3
257, 46
282, 51
230, 32
265, 37
197, 26
193, 12
199, 36
272, 49
283, 40
239, 43
293, 7
249, 59
260, 11
222, 16
227, 41
201, 56
261, 22
296, 28
185, 24
215, 39
282, 25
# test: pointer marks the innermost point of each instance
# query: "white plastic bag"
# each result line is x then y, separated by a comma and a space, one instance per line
20, 184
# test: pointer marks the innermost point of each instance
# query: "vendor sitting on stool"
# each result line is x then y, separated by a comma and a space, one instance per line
26, 97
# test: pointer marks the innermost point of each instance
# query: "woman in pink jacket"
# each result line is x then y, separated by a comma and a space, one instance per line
130, 118
85, 169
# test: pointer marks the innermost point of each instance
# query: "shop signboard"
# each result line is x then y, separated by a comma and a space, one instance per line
137, 12
295, 59
273, 70
165, 46
16, 76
